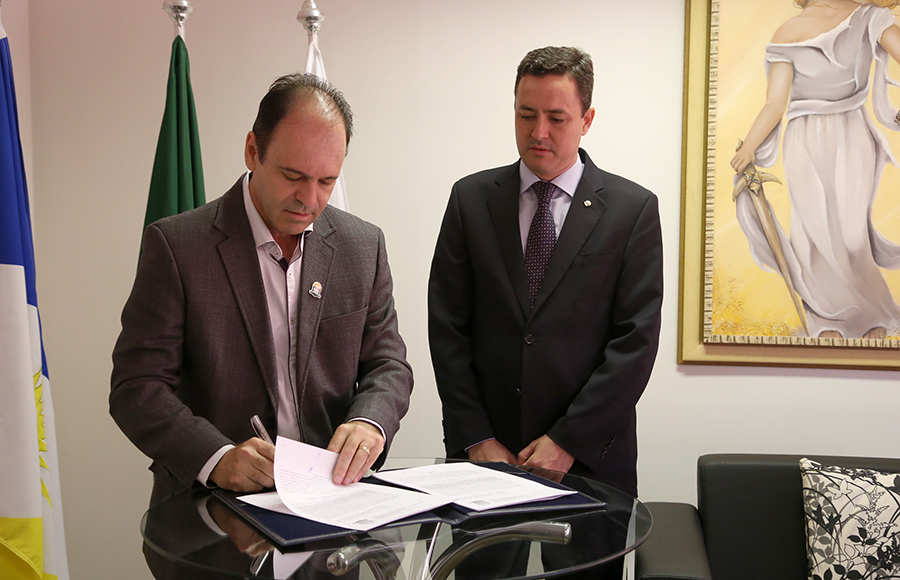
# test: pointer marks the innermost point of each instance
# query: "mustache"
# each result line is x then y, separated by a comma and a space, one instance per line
541, 144
302, 208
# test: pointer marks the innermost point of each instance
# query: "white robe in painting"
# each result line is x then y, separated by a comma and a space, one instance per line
834, 156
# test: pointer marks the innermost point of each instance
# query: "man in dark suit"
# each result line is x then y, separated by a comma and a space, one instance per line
264, 302
544, 298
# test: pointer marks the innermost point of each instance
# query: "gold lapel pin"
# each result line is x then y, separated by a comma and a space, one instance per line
587, 203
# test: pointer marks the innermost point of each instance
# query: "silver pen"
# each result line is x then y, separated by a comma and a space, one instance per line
260, 429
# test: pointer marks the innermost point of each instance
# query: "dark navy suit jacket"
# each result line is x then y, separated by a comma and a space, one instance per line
573, 366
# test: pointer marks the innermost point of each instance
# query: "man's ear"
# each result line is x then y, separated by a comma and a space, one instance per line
251, 152
587, 119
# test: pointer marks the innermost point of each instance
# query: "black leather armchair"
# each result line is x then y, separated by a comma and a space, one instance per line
748, 524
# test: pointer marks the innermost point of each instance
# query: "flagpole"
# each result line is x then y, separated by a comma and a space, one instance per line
311, 18
178, 10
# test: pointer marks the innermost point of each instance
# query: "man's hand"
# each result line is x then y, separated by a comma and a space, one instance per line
248, 467
359, 443
544, 452
491, 450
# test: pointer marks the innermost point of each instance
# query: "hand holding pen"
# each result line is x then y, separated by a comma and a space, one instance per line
250, 466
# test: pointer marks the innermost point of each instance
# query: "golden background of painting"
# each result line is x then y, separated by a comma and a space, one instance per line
748, 300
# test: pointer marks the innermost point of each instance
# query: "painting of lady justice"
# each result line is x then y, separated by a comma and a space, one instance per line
820, 86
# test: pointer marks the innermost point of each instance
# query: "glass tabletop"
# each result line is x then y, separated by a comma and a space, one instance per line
192, 534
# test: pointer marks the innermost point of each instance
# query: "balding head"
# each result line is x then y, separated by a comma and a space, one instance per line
299, 91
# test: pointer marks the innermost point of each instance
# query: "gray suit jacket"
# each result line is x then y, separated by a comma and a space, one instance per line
196, 359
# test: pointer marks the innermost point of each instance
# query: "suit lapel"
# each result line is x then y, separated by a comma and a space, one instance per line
503, 205
318, 254
238, 254
582, 218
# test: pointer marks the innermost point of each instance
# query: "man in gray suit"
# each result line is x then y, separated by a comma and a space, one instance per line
264, 302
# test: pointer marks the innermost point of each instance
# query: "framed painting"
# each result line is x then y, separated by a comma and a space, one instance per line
793, 260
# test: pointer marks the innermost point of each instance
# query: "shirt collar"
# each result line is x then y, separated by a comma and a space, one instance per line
567, 181
262, 237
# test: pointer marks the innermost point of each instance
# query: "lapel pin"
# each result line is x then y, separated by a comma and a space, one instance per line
587, 203
316, 290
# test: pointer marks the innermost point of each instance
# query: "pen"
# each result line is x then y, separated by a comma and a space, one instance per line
260, 429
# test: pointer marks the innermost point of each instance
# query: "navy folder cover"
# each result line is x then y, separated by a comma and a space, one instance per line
287, 531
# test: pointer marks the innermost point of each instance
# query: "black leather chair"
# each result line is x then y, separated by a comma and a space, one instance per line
748, 524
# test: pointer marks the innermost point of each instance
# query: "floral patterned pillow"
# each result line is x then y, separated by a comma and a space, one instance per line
852, 522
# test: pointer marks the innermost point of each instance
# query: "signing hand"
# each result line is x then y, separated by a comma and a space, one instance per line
544, 452
491, 450
248, 467
359, 443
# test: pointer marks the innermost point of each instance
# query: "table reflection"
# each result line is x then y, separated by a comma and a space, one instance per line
193, 535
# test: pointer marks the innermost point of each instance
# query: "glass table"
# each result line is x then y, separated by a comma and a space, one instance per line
193, 535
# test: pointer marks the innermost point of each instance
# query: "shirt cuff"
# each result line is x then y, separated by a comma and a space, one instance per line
203, 476
479, 443
370, 422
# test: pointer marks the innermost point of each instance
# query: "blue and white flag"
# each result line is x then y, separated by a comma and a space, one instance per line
315, 65
32, 545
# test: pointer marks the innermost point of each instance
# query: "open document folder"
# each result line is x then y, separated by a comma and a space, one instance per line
304, 486
308, 505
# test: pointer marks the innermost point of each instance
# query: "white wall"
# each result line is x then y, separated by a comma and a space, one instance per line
431, 85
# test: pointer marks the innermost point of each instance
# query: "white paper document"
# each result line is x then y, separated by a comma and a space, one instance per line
304, 486
268, 501
471, 486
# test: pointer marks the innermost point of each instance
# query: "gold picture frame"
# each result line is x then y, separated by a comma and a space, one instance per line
697, 344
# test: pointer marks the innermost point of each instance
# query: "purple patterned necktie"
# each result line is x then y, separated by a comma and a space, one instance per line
541, 238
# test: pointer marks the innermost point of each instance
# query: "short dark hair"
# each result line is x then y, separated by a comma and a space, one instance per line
284, 94
561, 60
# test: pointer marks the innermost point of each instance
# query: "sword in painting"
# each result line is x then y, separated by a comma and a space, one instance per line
751, 183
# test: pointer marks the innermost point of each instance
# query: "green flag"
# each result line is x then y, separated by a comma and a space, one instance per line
176, 184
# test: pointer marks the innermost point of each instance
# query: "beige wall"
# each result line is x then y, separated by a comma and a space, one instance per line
431, 84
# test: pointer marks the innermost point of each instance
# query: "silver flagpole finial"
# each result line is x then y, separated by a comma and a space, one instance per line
310, 16
178, 11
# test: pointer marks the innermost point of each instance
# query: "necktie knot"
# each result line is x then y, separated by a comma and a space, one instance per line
544, 191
